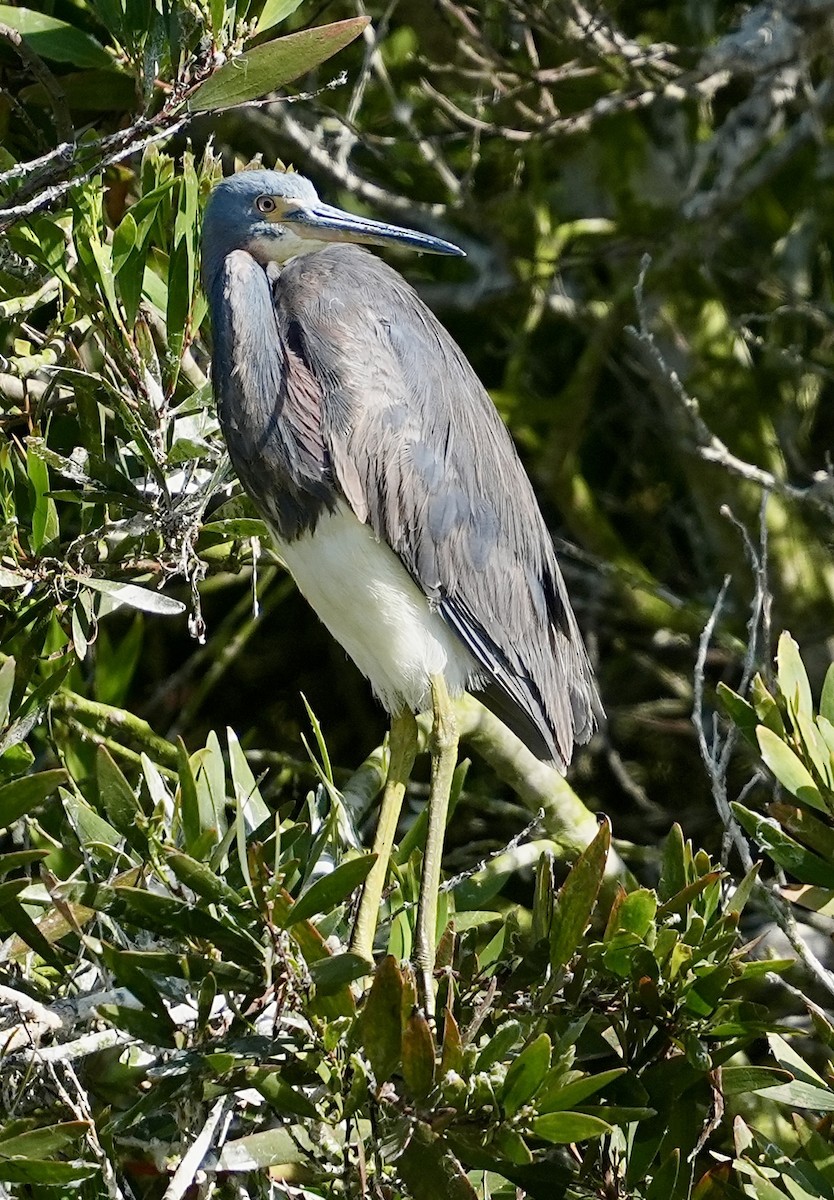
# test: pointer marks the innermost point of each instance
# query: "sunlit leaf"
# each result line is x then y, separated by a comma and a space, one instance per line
576, 898
526, 1074
134, 596
793, 678
269, 66
566, 1127
789, 769
54, 39
784, 850
331, 889
275, 11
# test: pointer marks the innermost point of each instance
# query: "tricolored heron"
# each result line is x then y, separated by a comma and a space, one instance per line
394, 493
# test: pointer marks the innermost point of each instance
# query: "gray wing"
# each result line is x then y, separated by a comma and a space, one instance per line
268, 402
421, 454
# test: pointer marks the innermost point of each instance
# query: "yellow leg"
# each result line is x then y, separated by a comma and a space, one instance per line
402, 748
444, 753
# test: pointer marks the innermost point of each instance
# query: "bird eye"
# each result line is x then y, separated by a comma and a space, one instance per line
265, 204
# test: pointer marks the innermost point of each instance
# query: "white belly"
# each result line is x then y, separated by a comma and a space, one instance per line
375, 610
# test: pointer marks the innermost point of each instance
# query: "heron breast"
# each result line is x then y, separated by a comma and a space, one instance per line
374, 609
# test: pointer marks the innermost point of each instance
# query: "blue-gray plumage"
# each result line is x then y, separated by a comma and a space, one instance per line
347, 407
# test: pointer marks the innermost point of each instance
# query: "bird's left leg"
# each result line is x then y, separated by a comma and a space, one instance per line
444, 754
402, 749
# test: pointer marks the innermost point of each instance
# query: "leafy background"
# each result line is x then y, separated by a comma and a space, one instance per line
645, 199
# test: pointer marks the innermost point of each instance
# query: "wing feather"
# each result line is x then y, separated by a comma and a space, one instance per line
422, 455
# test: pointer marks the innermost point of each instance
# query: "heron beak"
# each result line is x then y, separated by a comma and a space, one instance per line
322, 223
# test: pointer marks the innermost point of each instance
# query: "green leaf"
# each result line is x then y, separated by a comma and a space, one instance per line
526, 1074
800, 1095
740, 712
126, 973
7, 670
742, 893
44, 517
788, 1058
430, 1170
46, 1173
815, 834
249, 803
767, 710
200, 878
663, 1180
258, 1150
22, 795
814, 747
380, 1023
162, 914
543, 899
418, 1055
736, 1081
563, 1128
576, 899
451, 1057
499, 1045
333, 972
179, 299
512, 1146
278, 1093
90, 91
275, 11
787, 853
634, 914
268, 67
331, 889
789, 769
556, 1099
793, 678
10, 889
673, 875
133, 595
91, 829
54, 39
38, 1143
116, 795
20, 858
827, 695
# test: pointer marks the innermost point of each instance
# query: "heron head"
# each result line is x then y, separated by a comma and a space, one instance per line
276, 216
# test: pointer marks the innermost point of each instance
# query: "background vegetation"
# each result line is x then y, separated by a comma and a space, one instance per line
645, 197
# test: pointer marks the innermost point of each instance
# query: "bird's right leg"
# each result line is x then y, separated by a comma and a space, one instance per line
402, 750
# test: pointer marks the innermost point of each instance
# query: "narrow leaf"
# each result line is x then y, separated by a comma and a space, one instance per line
789, 769
563, 1128
526, 1074
133, 595
334, 972
793, 678
379, 1023
803, 864
576, 899
268, 67
570, 1094
331, 889
418, 1055
54, 39
22, 795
